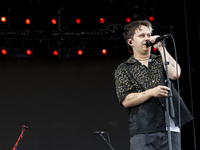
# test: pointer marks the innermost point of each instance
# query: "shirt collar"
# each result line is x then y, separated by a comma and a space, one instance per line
132, 60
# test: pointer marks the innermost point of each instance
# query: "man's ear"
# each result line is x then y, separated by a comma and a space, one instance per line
129, 41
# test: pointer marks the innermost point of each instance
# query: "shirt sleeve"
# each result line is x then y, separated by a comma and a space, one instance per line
122, 83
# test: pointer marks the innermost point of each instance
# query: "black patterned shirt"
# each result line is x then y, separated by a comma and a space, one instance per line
133, 77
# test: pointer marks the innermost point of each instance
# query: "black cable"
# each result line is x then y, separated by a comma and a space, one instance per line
189, 71
108, 142
108, 138
178, 86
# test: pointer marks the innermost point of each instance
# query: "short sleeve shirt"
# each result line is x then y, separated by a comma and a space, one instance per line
133, 77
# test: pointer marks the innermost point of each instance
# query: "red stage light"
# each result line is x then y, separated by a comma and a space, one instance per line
104, 51
154, 49
3, 51
151, 18
128, 19
80, 52
27, 21
55, 53
53, 21
28, 52
101, 20
130, 52
3, 19
78, 21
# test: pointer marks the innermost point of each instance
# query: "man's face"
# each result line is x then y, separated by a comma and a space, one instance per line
140, 37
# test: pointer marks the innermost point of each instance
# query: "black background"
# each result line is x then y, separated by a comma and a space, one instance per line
62, 102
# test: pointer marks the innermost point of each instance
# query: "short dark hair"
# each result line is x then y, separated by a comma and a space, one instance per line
129, 30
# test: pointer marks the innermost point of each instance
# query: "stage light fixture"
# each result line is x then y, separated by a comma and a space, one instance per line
128, 19
80, 52
3, 19
3, 51
27, 21
55, 53
130, 52
102, 20
104, 51
28, 52
78, 21
151, 18
154, 49
53, 21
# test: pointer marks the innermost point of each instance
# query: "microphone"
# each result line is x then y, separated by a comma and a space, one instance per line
158, 39
26, 127
98, 132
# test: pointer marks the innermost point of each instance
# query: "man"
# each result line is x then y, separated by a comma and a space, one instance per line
141, 88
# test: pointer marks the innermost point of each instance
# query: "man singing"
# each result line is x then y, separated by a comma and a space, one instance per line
141, 88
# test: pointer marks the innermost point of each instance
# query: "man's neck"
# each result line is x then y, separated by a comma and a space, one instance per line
143, 56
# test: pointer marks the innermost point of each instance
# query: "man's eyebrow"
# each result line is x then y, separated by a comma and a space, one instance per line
144, 33
141, 33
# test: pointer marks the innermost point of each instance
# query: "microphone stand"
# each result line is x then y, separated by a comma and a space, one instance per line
21, 136
109, 143
168, 100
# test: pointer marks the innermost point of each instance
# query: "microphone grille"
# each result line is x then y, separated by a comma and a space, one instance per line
148, 43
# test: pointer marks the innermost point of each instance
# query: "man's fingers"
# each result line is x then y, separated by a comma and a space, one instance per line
153, 38
165, 88
163, 91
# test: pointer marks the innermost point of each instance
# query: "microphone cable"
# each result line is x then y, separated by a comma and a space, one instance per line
178, 87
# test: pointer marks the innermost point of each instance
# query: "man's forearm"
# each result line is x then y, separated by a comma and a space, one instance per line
135, 99
172, 64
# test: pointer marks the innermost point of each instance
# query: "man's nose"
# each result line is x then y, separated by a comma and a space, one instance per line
147, 38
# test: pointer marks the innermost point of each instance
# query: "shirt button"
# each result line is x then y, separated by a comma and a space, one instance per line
153, 81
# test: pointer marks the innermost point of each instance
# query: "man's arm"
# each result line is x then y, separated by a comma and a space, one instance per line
135, 99
172, 63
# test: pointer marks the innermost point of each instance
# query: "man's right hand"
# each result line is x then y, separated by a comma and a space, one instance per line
160, 91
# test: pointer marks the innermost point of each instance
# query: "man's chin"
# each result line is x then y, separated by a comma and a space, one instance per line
146, 50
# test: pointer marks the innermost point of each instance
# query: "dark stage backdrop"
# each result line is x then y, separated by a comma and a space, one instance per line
62, 102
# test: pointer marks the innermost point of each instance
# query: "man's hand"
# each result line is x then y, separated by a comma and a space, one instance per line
153, 39
160, 91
